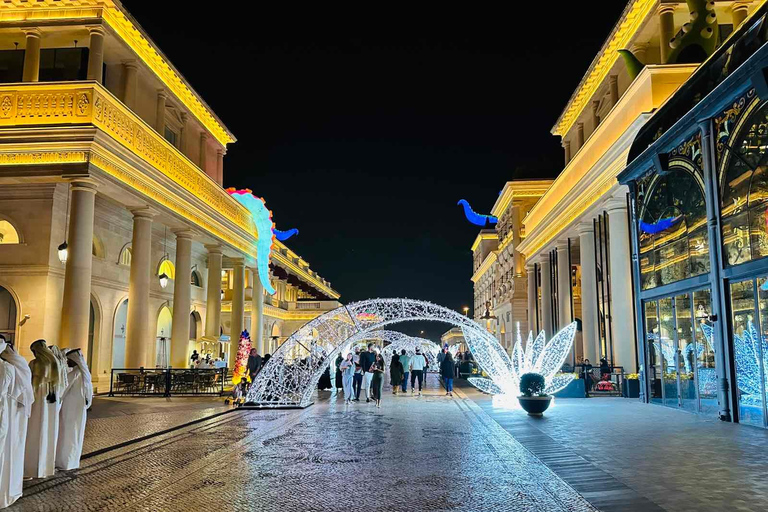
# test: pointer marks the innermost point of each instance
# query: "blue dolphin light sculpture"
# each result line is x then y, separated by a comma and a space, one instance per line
476, 218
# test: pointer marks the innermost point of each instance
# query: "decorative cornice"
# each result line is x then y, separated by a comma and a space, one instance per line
519, 189
484, 266
486, 234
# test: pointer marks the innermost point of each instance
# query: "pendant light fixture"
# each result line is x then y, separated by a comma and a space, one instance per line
163, 275
63, 248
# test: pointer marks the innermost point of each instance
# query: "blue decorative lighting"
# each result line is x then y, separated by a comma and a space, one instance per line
285, 235
476, 218
661, 225
262, 218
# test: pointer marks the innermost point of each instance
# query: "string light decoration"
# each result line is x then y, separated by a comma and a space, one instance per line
241, 362
537, 356
290, 377
751, 354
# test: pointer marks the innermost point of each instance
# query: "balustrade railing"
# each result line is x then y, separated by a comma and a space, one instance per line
167, 381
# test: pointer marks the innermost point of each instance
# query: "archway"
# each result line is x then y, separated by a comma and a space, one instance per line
288, 380
163, 338
118, 335
8, 315
94, 332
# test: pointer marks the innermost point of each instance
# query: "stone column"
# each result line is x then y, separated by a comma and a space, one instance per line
622, 314
257, 313
137, 336
220, 166
237, 317
579, 135
181, 299
203, 161
666, 31
130, 83
96, 54
213, 303
31, 71
546, 295
532, 299
589, 326
183, 132
613, 89
567, 149
162, 96
76, 303
739, 12
517, 226
563, 285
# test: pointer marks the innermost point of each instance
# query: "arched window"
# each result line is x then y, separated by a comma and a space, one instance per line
7, 315
167, 268
196, 279
192, 326
674, 244
8, 234
744, 190
125, 256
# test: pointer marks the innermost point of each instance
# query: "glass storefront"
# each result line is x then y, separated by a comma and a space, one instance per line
680, 357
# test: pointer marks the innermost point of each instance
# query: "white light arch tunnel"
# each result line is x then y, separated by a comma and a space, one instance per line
398, 341
291, 375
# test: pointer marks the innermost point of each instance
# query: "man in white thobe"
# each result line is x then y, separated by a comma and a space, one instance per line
7, 380
43, 430
74, 404
21, 407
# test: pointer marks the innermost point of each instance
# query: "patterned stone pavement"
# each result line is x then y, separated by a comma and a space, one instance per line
424, 453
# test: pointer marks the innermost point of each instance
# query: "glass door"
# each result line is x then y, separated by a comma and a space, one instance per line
679, 348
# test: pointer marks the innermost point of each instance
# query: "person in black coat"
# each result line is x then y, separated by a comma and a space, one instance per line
254, 364
447, 370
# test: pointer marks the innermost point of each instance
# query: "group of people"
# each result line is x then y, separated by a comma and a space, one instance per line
366, 370
197, 362
43, 408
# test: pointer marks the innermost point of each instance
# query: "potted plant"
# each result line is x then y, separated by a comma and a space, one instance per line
631, 387
533, 398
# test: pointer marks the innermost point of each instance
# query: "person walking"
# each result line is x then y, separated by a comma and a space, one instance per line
347, 368
338, 380
447, 369
377, 378
417, 370
357, 378
254, 364
366, 361
193, 359
405, 360
395, 373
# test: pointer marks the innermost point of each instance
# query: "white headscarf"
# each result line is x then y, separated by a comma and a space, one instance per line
22, 390
63, 379
76, 356
45, 370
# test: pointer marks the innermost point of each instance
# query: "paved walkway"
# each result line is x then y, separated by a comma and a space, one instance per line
624, 455
424, 453
112, 421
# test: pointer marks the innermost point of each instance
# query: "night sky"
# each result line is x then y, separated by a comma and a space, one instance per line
363, 128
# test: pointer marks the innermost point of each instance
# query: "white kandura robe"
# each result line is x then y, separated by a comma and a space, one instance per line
40, 451
21, 407
7, 379
72, 418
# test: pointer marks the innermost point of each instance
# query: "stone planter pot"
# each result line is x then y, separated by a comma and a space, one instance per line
535, 405
631, 388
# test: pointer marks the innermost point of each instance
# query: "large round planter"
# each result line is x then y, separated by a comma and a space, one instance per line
535, 405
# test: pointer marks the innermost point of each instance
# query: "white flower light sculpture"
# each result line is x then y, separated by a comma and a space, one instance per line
537, 356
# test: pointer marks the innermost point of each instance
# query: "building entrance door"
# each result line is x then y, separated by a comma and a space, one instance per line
680, 358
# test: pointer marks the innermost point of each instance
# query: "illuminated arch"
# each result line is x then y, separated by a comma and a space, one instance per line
398, 341
291, 375
126, 255
8, 233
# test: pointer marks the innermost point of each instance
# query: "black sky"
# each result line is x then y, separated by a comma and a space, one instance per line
363, 128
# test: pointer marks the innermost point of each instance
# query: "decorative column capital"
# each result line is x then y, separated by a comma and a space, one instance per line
585, 228
615, 206
33, 32
237, 262
213, 248
220, 152
561, 245
162, 93
97, 30
203, 136
543, 258
130, 64
613, 79
184, 115
83, 184
184, 234
143, 213
665, 8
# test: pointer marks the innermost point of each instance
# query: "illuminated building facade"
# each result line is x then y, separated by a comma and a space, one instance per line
699, 227
499, 277
105, 146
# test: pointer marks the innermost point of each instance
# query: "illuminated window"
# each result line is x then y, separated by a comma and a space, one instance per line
125, 256
744, 189
674, 244
8, 234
